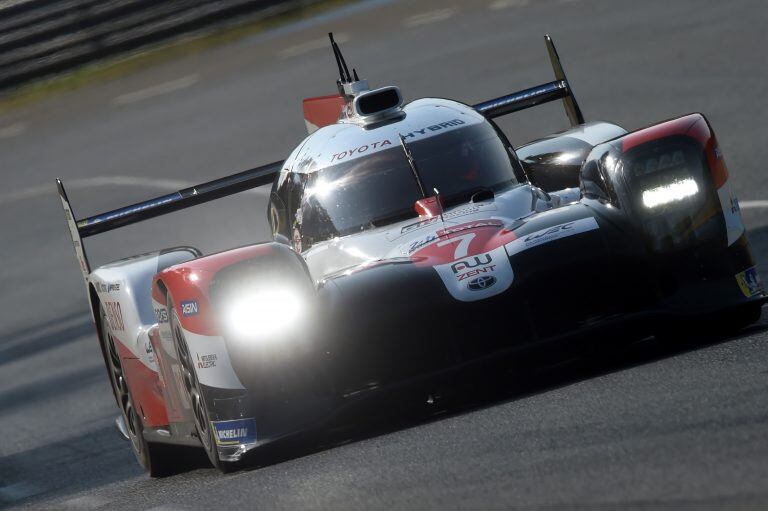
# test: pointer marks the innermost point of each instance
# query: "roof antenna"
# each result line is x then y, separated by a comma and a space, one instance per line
348, 87
335, 49
343, 69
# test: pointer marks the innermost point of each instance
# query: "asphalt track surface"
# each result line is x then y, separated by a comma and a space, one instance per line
675, 425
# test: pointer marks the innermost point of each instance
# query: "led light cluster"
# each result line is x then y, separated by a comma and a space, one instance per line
672, 192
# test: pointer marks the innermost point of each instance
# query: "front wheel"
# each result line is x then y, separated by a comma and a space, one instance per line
194, 392
156, 459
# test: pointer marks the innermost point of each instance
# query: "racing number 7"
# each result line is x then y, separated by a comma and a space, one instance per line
462, 249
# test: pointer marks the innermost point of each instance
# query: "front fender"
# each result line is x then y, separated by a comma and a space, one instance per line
123, 290
194, 292
671, 180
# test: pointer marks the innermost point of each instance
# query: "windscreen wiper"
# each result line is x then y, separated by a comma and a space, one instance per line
414, 168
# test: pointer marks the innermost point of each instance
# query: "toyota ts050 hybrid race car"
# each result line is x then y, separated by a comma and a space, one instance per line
410, 240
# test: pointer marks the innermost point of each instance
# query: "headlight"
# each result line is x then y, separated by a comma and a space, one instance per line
265, 312
672, 192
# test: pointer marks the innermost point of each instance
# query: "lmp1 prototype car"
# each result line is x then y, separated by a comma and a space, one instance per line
411, 240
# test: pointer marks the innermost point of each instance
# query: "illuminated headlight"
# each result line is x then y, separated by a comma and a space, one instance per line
672, 192
263, 313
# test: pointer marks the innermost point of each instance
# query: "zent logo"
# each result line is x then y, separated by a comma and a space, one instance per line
189, 308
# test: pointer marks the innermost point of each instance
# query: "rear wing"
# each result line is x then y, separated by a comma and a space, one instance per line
540, 94
266, 174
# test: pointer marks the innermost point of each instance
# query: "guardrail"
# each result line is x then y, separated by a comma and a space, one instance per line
42, 37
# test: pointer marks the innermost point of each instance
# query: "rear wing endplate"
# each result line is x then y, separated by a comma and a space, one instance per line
538, 95
266, 174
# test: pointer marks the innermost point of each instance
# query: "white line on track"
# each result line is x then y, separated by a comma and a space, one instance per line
12, 130
506, 4
313, 45
426, 18
753, 204
157, 90
92, 182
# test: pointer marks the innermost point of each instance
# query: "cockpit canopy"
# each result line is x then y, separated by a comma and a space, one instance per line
366, 187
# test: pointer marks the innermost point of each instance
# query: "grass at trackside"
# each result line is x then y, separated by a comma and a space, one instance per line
119, 66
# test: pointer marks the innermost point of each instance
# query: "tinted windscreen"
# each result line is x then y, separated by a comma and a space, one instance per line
380, 189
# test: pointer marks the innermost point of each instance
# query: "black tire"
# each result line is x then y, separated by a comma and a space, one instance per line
156, 459
194, 392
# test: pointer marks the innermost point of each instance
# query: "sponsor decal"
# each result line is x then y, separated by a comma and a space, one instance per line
359, 150
426, 240
749, 282
434, 127
478, 276
469, 209
731, 212
161, 315
354, 152
470, 225
206, 361
109, 287
556, 232
481, 283
415, 245
114, 316
234, 432
150, 351
449, 215
190, 308
473, 262
418, 225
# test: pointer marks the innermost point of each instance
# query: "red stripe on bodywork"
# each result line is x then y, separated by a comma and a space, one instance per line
145, 388
189, 282
678, 126
478, 237
694, 126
